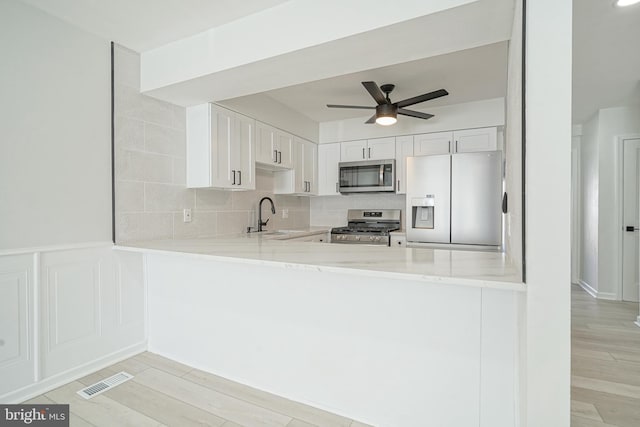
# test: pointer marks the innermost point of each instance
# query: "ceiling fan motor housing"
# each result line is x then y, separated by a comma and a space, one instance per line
386, 110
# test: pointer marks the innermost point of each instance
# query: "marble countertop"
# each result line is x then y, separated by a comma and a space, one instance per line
462, 267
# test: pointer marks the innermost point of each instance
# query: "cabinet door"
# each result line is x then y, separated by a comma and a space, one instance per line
352, 151
404, 149
310, 166
199, 146
265, 152
284, 146
428, 144
222, 147
472, 140
328, 159
381, 148
243, 157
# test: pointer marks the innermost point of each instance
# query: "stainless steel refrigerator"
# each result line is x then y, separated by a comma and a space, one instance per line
455, 198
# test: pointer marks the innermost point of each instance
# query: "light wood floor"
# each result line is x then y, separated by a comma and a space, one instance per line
164, 392
605, 362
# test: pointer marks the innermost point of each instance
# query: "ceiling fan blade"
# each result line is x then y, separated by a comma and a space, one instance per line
371, 120
414, 113
422, 98
350, 106
375, 92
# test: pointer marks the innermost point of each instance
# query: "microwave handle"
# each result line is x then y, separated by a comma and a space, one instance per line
381, 176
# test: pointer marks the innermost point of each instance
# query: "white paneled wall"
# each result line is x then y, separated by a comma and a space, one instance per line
17, 345
65, 312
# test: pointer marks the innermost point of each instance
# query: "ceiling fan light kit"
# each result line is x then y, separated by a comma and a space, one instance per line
386, 111
386, 114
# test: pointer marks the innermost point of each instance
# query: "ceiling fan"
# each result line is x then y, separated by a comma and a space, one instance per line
387, 111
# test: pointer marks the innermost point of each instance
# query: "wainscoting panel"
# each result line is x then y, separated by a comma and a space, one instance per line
17, 366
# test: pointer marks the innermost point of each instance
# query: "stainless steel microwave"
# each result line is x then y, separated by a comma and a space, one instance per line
370, 176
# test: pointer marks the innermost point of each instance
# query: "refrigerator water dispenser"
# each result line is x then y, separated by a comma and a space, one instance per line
422, 212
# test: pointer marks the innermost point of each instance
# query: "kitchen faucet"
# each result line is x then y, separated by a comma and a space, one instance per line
273, 211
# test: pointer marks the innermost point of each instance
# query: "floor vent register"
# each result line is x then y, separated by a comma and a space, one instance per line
104, 385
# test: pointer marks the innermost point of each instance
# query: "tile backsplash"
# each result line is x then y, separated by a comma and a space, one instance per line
332, 210
150, 142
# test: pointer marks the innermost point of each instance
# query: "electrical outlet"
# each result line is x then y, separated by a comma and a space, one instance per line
186, 215
285, 213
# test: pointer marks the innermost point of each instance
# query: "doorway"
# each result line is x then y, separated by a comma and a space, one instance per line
630, 219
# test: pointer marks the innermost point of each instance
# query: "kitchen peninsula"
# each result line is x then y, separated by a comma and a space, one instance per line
384, 334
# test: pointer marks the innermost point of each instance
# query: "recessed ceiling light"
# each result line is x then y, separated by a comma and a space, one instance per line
622, 3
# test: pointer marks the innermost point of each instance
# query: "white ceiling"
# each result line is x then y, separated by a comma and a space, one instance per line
146, 24
468, 75
606, 63
606, 57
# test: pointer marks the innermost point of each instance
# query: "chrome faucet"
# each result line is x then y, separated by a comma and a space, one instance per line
273, 211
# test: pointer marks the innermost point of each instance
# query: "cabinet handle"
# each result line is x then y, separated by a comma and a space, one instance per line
337, 189
369, 152
449, 146
275, 156
363, 153
279, 156
239, 177
398, 189
456, 146
234, 177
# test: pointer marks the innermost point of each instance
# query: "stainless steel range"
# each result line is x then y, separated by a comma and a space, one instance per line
369, 227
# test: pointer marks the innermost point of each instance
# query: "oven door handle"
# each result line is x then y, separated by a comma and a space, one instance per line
381, 176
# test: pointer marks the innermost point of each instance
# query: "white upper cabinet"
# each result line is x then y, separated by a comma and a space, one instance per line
310, 166
302, 178
459, 141
381, 148
471, 140
368, 149
283, 146
274, 147
428, 144
220, 148
404, 149
328, 159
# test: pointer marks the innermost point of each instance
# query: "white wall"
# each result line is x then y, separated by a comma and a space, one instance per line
546, 328
489, 112
588, 276
513, 143
266, 109
613, 122
601, 197
55, 170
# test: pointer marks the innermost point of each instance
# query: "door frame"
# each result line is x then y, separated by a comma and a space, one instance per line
619, 168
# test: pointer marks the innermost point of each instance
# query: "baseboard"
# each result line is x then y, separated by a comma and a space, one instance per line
609, 296
588, 289
63, 378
